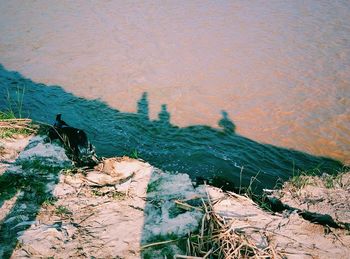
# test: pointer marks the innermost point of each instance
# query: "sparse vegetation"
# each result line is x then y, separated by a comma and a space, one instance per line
214, 239
10, 125
15, 103
334, 181
300, 181
62, 211
97, 192
311, 178
329, 181
7, 115
50, 201
31, 182
134, 154
11, 120
118, 195
72, 171
108, 193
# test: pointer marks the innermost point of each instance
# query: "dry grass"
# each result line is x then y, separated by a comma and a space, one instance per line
10, 127
218, 239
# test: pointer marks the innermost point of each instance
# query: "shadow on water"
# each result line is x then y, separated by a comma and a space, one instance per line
205, 153
201, 151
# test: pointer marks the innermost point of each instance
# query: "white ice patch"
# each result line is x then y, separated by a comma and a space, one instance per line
172, 186
47, 151
158, 223
162, 217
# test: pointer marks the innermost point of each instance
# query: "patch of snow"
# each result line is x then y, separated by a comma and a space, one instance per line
158, 217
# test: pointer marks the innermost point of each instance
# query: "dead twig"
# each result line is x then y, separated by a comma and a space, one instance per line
158, 243
186, 206
217, 238
86, 218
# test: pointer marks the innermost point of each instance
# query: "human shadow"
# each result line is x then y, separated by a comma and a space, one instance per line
164, 116
216, 155
226, 123
142, 106
226, 159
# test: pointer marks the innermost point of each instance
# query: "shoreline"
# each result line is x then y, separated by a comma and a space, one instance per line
75, 198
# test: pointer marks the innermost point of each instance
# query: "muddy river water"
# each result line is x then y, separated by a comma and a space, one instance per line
275, 72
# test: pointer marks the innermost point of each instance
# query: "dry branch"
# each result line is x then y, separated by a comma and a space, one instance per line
158, 243
217, 239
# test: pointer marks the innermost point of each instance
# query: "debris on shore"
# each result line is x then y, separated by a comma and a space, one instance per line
126, 208
234, 226
111, 210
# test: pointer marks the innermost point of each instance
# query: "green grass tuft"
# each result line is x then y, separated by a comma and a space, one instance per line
62, 210
6, 115
50, 201
134, 154
300, 181
14, 110
8, 132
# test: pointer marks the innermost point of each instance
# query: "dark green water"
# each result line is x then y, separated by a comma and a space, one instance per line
199, 150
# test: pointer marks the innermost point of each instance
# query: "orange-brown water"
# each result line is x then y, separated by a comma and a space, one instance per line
281, 70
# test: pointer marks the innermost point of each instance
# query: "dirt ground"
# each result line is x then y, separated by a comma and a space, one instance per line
288, 234
123, 204
109, 211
